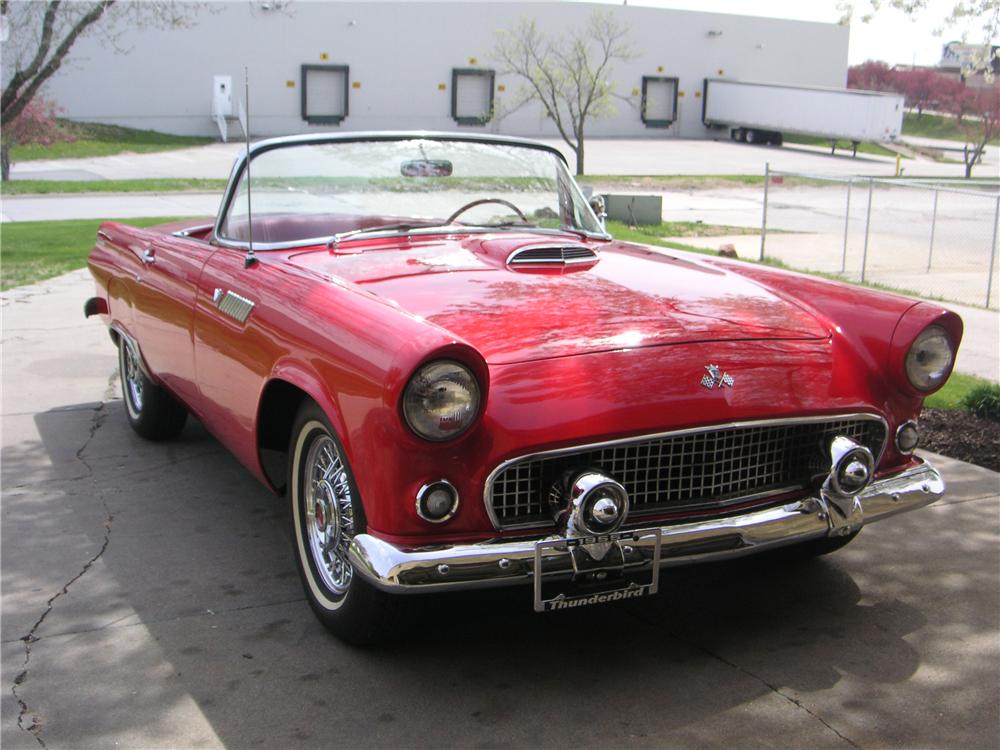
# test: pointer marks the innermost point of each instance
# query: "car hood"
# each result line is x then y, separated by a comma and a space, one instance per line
629, 297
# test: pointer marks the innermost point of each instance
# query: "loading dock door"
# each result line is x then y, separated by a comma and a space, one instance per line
659, 101
324, 93
472, 96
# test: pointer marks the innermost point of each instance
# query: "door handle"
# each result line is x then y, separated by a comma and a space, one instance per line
148, 257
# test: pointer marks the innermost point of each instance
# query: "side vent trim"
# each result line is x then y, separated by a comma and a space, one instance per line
233, 305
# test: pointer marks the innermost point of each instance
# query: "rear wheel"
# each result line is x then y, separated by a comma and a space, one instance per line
326, 515
752, 136
151, 411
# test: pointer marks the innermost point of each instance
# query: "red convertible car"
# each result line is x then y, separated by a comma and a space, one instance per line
431, 347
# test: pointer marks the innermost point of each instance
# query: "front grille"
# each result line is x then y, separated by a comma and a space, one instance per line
692, 469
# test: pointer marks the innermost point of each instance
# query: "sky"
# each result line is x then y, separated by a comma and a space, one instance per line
891, 36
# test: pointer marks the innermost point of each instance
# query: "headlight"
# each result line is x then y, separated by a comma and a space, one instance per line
441, 400
929, 359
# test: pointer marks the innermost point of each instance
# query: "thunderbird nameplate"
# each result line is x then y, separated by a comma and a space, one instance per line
602, 569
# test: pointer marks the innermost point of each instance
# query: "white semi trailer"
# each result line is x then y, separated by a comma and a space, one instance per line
762, 112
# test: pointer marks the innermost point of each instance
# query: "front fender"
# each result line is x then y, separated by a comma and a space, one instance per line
306, 379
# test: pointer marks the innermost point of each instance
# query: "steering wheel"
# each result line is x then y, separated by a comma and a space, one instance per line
480, 202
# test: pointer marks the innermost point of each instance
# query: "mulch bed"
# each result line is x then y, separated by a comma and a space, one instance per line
962, 435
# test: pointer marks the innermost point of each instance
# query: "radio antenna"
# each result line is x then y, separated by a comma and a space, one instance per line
251, 258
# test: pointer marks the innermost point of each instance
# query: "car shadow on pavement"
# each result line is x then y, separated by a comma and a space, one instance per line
189, 628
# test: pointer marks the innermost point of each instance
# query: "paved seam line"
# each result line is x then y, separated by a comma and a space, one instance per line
774, 689
964, 501
146, 622
748, 673
35, 727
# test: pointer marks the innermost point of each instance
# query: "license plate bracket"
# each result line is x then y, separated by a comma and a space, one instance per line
605, 568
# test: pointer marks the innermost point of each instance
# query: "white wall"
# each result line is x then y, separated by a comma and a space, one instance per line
399, 53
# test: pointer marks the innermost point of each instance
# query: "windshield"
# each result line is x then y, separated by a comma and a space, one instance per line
314, 191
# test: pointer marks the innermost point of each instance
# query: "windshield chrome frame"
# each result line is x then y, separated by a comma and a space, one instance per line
236, 174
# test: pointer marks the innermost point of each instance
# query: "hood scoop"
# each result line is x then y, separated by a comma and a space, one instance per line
549, 255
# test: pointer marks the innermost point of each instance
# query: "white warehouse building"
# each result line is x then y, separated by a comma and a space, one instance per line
356, 66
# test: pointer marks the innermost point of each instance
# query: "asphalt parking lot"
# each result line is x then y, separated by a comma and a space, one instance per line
150, 600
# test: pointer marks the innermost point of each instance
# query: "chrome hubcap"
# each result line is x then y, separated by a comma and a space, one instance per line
133, 378
329, 514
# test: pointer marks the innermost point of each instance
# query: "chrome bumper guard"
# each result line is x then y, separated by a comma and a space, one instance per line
503, 563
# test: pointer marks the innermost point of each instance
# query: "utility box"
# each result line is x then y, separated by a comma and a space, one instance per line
634, 209
222, 96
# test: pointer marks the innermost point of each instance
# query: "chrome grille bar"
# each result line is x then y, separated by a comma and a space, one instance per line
709, 467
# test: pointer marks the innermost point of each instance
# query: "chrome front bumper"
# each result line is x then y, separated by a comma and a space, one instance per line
503, 563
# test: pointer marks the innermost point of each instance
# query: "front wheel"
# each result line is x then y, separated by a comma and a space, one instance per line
151, 411
326, 515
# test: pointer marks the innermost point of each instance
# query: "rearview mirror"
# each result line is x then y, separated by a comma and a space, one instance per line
597, 206
426, 168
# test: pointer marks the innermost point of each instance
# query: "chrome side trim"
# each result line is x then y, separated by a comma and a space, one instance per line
488, 485
402, 570
191, 230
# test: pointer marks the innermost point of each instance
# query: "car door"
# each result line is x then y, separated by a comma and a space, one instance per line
165, 293
233, 354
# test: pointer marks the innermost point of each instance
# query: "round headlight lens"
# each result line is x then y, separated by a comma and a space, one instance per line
441, 400
929, 359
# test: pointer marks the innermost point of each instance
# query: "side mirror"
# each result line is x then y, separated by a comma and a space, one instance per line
597, 205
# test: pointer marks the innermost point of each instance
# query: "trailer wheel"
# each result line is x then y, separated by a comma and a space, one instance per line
753, 136
736, 134
776, 139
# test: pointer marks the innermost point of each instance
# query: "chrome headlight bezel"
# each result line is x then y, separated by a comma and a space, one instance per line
442, 378
907, 434
922, 371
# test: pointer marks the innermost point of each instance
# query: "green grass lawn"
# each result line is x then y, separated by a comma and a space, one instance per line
935, 126
842, 146
653, 234
601, 183
160, 185
954, 392
163, 185
95, 139
31, 251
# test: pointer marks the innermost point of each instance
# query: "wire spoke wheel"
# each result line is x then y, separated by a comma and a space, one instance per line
151, 411
329, 514
133, 379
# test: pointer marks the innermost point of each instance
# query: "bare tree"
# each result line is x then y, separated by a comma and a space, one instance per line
983, 126
569, 74
39, 34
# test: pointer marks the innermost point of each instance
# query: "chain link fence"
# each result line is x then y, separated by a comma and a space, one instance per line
929, 239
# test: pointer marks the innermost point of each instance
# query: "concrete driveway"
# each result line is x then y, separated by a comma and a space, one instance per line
150, 600
634, 156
